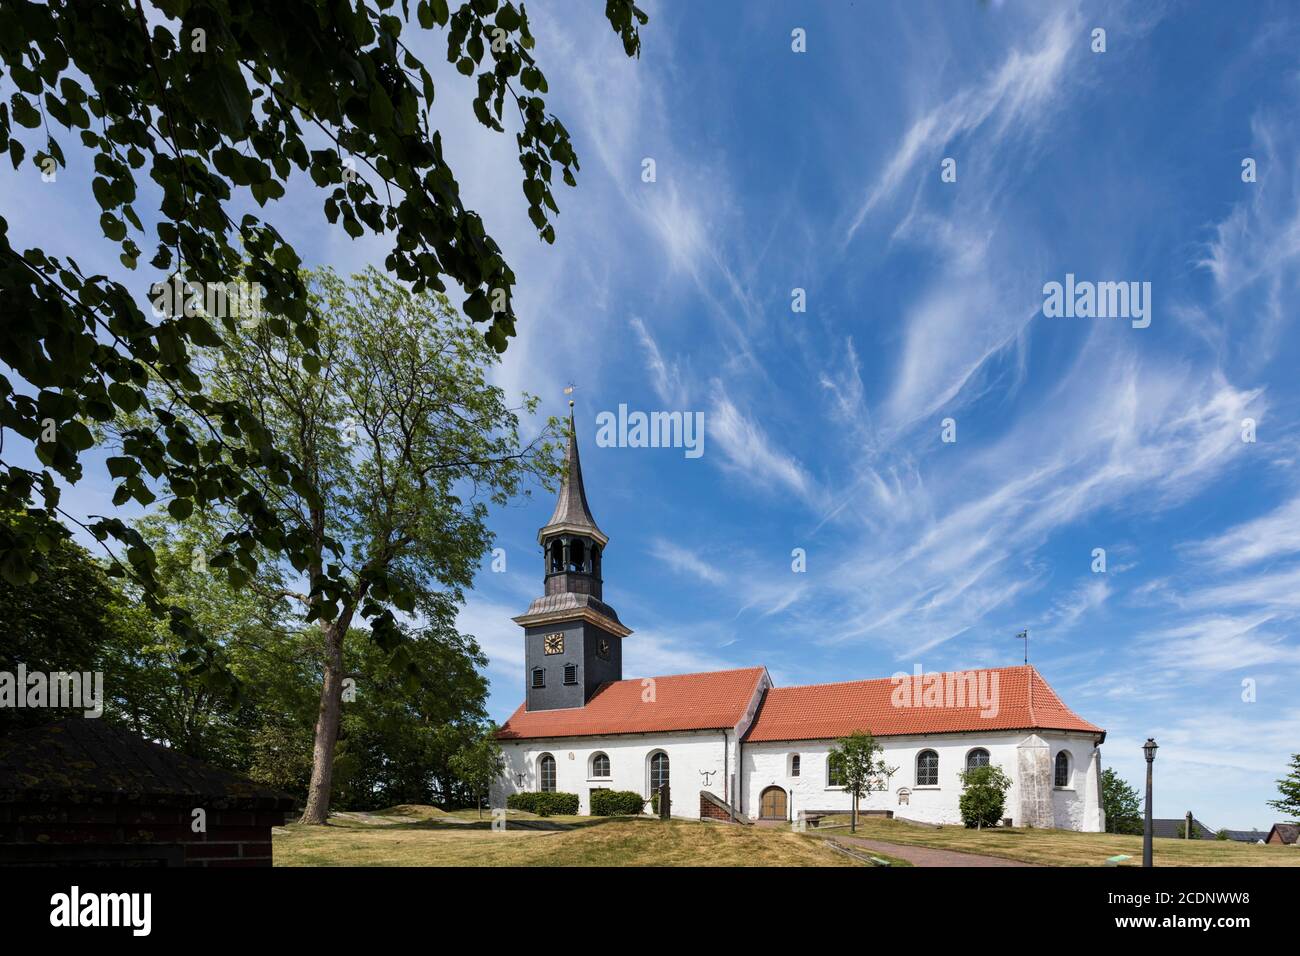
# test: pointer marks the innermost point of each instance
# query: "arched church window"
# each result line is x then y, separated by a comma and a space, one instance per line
835, 771
794, 765
557, 556
546, 773
600, 765
577, 555
1063, 769
927, 769
658, 772
979, 757
595, 560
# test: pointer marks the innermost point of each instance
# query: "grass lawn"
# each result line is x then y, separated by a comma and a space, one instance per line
1065, 847
426, 836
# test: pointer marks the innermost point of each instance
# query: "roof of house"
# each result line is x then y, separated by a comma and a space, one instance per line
88, 760
1245, 836
1024, 701
1172, 828
708, 701
1289, 832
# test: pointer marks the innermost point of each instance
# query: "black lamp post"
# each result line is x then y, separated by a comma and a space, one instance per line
1149, 748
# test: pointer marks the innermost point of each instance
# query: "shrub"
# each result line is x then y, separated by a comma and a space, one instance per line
556, 804
983, 796
522, 801
616, 803
544, 804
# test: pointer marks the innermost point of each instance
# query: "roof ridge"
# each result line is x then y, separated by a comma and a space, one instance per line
725, 670
872, 680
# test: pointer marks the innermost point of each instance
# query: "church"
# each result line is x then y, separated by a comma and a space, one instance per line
730, 744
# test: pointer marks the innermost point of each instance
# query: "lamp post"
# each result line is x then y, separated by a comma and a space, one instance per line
1149, 748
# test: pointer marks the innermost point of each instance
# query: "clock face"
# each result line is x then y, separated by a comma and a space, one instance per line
554, 644
603, 647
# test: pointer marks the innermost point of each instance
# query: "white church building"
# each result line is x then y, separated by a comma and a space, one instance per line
731, 743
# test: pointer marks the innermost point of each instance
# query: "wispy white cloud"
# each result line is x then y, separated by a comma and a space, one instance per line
1273, 535
686, 561
1012, 98
749, 451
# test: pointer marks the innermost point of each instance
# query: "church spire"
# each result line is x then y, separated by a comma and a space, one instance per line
572, 638
572, 514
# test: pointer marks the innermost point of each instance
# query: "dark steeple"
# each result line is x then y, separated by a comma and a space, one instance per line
571, 510
572, 638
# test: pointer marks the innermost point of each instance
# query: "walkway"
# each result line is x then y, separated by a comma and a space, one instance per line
928, 856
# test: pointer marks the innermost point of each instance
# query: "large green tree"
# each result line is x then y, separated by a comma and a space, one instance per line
57, 621
403, 443
1120, 803
1289, 788
210, 106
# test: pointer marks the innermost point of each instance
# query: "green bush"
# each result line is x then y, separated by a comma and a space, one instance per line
616, 803
983, 796
546, 804
522, 801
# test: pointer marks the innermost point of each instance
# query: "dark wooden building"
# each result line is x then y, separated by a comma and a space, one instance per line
83, 792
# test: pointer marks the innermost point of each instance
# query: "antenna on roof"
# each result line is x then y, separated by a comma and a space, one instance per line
1024, 636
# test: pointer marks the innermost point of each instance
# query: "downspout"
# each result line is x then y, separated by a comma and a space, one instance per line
726, 779
739, 805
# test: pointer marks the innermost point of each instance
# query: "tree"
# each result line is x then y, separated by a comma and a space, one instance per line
1289, 788
402, 443
856, 760
1120, 804
398, 736
479, 764
210, 104
983, 795
55, 621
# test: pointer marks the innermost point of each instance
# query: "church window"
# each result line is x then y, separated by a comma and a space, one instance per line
979, 757
794, 765
557, 555
600, 765
1063, 769
546, 773
658, 772
539, 677
571, 673
835, 771
576, 555
927, 769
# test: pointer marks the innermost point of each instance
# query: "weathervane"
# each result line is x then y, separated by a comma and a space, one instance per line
1024, 636
569, 390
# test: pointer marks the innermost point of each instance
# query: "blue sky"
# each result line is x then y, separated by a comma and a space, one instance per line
820, 170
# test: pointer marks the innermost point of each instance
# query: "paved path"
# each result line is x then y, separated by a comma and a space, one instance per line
928, 856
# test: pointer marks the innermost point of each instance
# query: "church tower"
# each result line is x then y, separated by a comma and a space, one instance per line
573, 640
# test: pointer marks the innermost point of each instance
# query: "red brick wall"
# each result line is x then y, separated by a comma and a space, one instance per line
711, 811
233, 837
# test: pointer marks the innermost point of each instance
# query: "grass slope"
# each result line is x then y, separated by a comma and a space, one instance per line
421, 836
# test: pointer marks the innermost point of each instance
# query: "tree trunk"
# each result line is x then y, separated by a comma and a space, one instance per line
853, 823
327, 725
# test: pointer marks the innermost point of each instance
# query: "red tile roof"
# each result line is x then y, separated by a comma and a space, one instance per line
824, 711
708, 701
